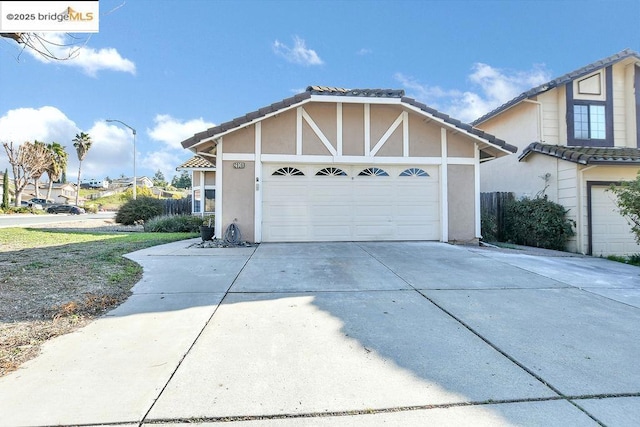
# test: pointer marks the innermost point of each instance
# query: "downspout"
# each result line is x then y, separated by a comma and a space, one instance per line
540, 127
580, 202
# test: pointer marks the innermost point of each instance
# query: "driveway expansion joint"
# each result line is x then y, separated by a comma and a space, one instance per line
184, 356
372, 411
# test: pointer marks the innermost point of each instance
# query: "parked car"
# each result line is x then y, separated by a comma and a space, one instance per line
30, 204
43, 202
70, 209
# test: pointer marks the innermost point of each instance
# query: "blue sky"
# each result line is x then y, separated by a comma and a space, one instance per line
173, 68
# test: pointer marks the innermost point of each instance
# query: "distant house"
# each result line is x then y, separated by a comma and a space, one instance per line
142, 181
203, 182
576, 135
60, 193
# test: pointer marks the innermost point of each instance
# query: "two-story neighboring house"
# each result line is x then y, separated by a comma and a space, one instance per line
576, 135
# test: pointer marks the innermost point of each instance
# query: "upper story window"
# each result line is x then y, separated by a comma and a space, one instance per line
589, 121
589, 102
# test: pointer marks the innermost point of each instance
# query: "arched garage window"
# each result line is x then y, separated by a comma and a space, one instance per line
373, 172
414, 172
288, 171
331, 172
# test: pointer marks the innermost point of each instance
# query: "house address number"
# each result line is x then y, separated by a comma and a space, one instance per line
238, 165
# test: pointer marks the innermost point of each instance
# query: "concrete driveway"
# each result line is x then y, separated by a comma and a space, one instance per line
348, 334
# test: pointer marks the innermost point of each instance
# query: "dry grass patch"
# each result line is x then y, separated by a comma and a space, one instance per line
53, 282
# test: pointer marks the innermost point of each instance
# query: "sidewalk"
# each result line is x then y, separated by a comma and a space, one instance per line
346, 334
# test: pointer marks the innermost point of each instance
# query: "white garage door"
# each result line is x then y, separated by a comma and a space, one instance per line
349, 203
611, 234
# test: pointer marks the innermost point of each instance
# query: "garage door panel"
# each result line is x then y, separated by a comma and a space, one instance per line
350, 208
610, 232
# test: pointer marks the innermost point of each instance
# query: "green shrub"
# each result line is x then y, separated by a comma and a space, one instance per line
489, 227
538, 222
140, 192
91, 208
173, 224
139, 210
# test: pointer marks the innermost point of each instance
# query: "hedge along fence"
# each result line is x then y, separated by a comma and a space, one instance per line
493, 208
535, 222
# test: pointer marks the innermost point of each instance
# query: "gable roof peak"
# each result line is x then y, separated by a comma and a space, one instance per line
570, 76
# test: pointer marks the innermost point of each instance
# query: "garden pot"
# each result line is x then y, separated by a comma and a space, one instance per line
206, 233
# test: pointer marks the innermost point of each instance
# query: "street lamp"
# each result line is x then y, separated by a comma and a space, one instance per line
135, 180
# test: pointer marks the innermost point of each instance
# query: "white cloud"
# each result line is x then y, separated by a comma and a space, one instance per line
46, 124
112, 148
111, 145
491, 86
88, 59
165, 162
172, 131
298, 54
364, 51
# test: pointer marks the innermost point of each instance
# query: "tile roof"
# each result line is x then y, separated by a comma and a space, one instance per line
197, 162
247, 118
370, 93
335, 91
602, 63
586, 155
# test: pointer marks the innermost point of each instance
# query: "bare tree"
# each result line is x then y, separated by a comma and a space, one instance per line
82, 142
37, 173
27, 160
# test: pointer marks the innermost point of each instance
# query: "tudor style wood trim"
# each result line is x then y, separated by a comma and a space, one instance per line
299, 131
387, 134
405, 134
239, 157
316, 129
361, 160
339, 128
367, 129
444, 198
219, 193
257, 218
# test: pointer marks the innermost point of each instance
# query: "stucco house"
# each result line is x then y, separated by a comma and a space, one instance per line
61, 193
334, 164
576, 135
142, 181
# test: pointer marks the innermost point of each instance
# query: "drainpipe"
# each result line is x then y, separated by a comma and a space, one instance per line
579, 204
540, 127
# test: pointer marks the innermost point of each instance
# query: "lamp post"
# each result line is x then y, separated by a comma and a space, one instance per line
135, 180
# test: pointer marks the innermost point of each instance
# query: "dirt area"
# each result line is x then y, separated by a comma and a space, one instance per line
50, 291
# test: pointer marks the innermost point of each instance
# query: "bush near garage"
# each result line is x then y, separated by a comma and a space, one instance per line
139, 211
538, 222
173, 224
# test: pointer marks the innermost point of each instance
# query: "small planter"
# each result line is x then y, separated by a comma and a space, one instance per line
206, 233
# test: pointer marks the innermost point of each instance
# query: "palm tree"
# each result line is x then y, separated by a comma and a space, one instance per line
57, 166
82, 142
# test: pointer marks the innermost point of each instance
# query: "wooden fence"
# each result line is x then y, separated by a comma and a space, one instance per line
177, 206
493, 209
